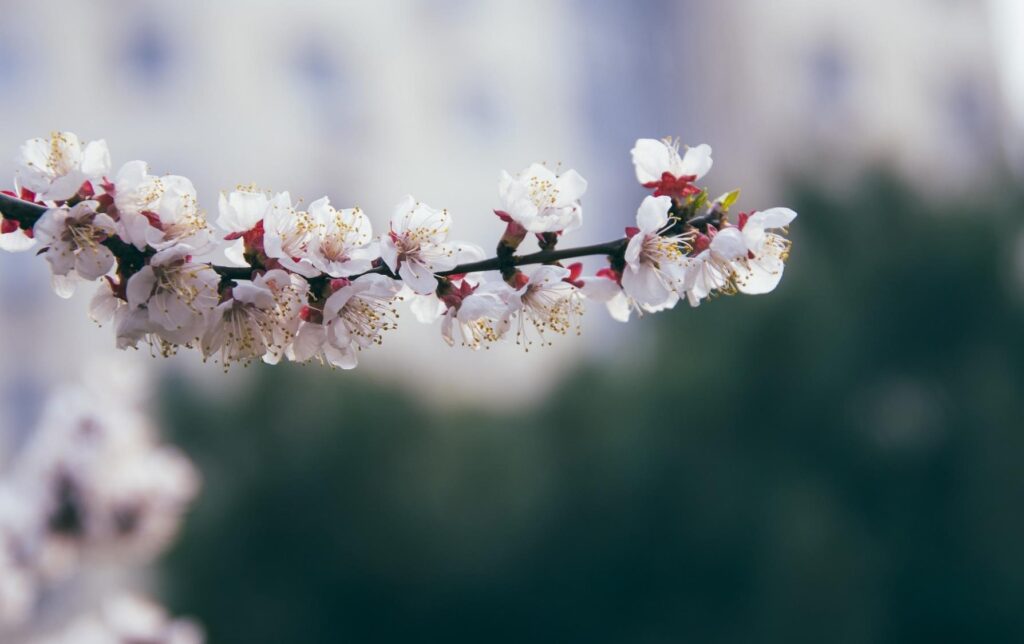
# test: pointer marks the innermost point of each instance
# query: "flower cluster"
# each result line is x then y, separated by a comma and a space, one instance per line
92, 486
319, 284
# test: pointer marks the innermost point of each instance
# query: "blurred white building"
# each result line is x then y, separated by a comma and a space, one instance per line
791, 85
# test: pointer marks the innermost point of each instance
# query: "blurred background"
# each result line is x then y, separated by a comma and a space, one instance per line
839, 461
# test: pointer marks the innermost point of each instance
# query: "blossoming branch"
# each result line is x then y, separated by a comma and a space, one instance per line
318, 284
91, 489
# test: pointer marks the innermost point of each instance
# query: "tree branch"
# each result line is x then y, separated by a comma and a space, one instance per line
27, 214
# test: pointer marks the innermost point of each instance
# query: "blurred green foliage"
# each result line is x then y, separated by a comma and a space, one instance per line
838, 462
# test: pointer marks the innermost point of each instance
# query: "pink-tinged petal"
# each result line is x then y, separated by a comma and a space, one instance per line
337, 301
652, 215
418, 277
308, 342
16, 242
63, 187
94, 262
600, 288
103, 222
697, 161
438, 258
651, 158
481, 305
140, 287
63, 285
771, 218
34, 158
619, 308
571, 187
135, 229
50, 225
321, 209
250, 293
241, 210
762, 276
644, 286
729, 244
466, 253
235, 253
343, 358
426, 308
633, 250
448, 328
61, 258
545, 274
402, 213
389, 253
170, 312
96, 159
130, 327
302, 267
103, 304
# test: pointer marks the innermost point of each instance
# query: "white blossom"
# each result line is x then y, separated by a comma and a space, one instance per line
56, 168
544, 302
760, 270
346, 244
13, 238
416, 247
158, 211
104, 484
290, 236
258, 320
354, 317
428, 308
480, 317
241, 211
129, 619
653, 159
656, 261
607, 290
72, 240
130, 325
176, 293
19, 585
542, 201
713, 268
316, 284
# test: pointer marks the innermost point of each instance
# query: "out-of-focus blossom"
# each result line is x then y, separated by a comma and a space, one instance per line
128, 619
18, 584
92, 486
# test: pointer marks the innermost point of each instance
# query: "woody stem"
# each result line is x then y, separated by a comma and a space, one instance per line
27, 214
